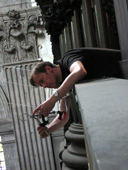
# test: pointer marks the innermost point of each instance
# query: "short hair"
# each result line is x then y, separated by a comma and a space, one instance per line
39, 68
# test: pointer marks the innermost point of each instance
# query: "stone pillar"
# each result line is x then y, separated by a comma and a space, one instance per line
74, 157
121, 8
101, 24
9, 146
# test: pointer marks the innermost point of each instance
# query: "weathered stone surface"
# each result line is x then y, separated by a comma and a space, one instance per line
75, 156
104, 108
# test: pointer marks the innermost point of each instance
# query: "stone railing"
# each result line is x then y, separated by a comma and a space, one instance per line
103, 105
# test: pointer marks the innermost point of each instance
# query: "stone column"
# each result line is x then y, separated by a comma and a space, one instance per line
9, 146
121, 8
101, 24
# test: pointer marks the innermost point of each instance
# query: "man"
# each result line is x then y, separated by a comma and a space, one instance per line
68, 71
71, 68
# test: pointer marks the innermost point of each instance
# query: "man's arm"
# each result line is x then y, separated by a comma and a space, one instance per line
56, 124
77, 73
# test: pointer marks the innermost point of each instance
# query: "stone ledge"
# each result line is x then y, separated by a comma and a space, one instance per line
8, 142
104, 111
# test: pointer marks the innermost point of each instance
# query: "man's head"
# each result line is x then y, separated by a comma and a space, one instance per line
43, 75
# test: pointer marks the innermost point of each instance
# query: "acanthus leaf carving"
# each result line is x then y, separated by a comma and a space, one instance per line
27, 47
37, 32
9, 49
18, 36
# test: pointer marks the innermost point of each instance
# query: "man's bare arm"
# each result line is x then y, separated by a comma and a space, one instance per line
77, 73
56, 124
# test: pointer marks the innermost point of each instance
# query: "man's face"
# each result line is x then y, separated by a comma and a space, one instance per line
46, 80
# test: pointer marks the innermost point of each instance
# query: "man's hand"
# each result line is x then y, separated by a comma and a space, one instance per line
44, 108
43, 131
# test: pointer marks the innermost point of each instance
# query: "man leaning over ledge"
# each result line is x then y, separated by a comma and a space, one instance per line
74, 66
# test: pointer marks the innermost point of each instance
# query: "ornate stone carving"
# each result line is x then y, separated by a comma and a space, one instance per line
13, 14
18, 36
58, 14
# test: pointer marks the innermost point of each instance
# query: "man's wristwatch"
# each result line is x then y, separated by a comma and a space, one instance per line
56, 94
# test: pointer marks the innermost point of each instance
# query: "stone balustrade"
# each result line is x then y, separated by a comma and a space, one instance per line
104, 110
